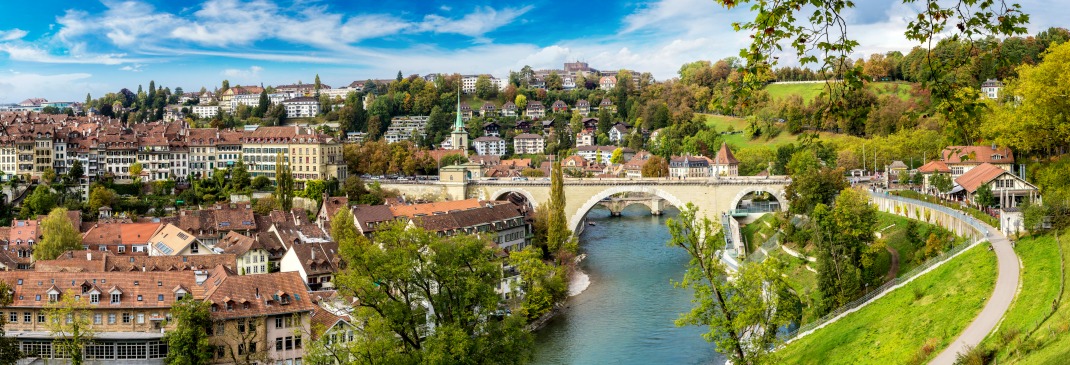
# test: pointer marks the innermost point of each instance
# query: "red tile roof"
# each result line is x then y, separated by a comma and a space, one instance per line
934, 166
978, 176
977, 155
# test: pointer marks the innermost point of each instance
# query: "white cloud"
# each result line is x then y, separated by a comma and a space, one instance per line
75, 55
475, 24
13, 34
137, 67
15, 87
249, 74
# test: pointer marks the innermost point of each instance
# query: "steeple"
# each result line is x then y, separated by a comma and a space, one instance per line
458, 125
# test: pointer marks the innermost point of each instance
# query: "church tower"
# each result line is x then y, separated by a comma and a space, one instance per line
459, 136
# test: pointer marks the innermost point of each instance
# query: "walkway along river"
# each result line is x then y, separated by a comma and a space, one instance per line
626, 314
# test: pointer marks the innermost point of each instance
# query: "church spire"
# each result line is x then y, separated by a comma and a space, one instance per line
458, 125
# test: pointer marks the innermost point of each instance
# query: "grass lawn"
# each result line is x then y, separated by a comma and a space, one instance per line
1040, 284
723, 123
810, 91
909, 325
757, 232
802, 280
807, 91
896, 237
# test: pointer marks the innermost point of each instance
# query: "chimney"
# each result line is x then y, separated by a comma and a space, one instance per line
313, 254
200, 276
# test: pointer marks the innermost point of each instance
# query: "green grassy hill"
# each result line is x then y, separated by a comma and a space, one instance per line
809, 91
909, 325
724, 123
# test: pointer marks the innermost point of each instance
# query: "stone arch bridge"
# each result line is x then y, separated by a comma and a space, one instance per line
712, 196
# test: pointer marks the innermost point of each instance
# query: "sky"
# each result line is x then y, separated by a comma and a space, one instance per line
62, 50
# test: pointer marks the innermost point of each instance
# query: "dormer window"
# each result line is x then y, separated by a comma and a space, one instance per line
94, 298
115, 298
53, 297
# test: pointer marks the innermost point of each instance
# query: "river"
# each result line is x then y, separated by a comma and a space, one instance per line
626, 314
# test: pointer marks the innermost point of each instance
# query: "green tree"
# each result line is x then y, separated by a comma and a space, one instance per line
59, 236
100, 196
260, 182
412, 280
1033, 216
941, 182
617, 157
70, 324
76, 172
265, 205
842, 235
1036, 122
239, 176
9, 346
558, 235
554, 81
41, 201
188, 343
485, 89
354, 188
983, 197
813, 187
743, 315
543, 284
343, 228
284, 184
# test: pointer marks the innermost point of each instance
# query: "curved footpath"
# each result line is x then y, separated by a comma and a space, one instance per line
998, 303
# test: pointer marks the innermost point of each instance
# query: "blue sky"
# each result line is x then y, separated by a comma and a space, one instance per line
62, 50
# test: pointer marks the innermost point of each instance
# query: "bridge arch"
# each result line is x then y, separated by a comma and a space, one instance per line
778, 194
577, 217
504, 192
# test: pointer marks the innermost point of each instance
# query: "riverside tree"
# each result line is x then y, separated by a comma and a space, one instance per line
558, 236
427, 298
842, 234
743, 314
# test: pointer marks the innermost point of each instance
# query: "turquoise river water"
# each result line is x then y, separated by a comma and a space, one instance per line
626, 314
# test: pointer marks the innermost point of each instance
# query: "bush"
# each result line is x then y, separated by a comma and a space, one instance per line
975, 356
261, 183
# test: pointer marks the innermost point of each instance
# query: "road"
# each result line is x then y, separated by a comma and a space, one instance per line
998, 302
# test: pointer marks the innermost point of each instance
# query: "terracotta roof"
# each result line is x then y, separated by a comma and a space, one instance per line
977, 155
264, 294
97, 261
432, 208
934, 166
978, 176
149, 285
368, 217
469, 218
120, 233
725, 156
332, 204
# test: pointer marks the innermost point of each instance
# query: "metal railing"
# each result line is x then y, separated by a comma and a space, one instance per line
903, 279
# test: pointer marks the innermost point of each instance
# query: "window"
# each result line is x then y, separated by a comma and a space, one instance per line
98, 318
220, 328
278, 344
53, 297
27, 317
289, 343
37, 298
241, 326
297, 342
13, 317
159, 298
94, 298
140, 318
126, 317
115, 298
194, 249
40, 317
